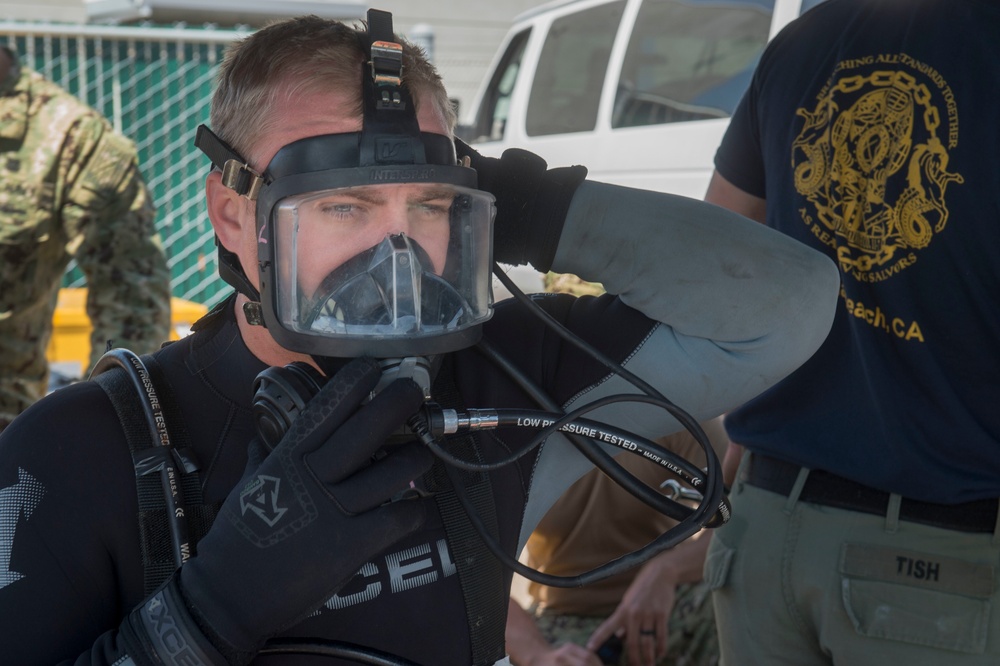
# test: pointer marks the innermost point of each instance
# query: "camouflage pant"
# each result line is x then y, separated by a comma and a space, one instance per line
692, 640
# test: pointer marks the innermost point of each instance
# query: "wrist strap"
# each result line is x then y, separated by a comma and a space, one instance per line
162, 632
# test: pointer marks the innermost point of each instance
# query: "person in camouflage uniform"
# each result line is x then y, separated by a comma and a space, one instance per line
691, 632
658, 614
70, 187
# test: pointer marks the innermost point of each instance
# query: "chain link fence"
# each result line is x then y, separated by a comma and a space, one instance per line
154, 85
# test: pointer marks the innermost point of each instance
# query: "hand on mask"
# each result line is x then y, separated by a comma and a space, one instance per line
297, 527
532, 202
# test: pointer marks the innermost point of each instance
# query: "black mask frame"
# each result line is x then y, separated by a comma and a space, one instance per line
390, 148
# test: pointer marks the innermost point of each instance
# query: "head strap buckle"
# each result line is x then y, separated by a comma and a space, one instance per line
239, 176
387, 63
236, 173
385, 56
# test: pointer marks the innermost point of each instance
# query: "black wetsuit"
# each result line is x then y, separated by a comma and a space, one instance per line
398, 602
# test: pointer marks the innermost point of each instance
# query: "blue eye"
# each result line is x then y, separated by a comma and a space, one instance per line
338, 210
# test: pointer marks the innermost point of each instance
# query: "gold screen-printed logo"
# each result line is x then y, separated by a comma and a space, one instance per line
872, 162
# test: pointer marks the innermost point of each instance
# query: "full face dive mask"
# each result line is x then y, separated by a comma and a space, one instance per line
369, 243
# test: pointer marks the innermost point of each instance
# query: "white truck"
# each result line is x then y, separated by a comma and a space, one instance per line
639, 91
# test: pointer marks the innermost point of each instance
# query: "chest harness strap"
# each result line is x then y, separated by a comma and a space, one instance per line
172, 514
480, 574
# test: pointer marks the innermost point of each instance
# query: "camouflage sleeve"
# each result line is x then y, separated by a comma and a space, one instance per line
119, 251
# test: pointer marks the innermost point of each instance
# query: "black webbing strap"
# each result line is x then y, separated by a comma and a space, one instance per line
480, 574
236, 172
154, 531
200, 515
390, 132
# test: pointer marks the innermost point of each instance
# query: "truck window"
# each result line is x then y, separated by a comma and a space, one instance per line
491, 119
690, 60
566, 90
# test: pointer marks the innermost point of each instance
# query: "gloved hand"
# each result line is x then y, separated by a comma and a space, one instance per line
294, 530
532, 202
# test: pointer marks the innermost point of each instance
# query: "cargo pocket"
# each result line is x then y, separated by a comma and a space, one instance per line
717, 563
917, 598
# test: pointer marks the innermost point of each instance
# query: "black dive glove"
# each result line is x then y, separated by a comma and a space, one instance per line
532, 202
293, 531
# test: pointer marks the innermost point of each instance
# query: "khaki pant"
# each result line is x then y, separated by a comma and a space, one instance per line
800, 584
692, 640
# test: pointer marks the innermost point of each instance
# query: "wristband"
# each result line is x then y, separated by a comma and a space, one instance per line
162, 632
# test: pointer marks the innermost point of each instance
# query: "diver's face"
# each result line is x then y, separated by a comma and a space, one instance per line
337, 225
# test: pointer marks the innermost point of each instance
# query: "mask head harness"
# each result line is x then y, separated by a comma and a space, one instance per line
389, 302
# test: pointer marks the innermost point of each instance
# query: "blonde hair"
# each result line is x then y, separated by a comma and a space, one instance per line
299, 56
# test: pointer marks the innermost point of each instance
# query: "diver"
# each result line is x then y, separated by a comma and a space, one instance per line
360, 245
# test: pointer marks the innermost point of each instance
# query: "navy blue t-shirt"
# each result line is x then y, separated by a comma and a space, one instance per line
877, 125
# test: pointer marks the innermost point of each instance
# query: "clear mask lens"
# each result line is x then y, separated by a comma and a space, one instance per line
379, 263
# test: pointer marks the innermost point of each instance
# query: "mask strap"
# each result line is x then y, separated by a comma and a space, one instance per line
390, 134
237, 176
236, 173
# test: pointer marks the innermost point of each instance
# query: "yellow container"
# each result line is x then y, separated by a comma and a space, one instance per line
69, 347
